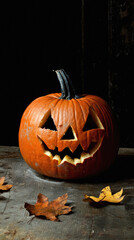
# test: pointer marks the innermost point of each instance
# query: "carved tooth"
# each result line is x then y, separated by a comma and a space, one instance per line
57, 157
49, 154
68, 159
84, 156
77, 160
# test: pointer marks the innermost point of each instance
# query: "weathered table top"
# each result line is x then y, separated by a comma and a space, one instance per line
85, 222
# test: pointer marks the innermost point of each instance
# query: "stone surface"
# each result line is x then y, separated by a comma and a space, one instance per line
85, 222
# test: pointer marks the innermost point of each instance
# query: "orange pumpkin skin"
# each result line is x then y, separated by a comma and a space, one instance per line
37, 142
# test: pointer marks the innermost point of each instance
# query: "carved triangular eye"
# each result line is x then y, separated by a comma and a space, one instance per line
68, 135
90, 124
49, 124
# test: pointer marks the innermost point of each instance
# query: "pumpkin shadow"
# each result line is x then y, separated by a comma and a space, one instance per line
122, 168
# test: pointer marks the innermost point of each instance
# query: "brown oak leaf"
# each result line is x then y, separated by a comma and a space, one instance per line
50, 210
4, 187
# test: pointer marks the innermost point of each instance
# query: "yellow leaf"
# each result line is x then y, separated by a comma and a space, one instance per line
118, 194
113, 200
106, 196
105, 192
92, 198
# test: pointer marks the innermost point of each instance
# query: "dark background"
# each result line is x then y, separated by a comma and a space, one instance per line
92, 40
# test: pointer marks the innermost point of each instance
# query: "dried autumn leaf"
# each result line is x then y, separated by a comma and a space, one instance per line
49, 209
4, 187
106, 196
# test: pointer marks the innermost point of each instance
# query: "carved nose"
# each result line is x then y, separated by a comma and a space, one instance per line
68, 140
69, 135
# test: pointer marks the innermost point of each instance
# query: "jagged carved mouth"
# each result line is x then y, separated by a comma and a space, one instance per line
78, 156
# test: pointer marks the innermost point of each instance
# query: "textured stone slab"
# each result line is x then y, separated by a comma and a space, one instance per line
85, 222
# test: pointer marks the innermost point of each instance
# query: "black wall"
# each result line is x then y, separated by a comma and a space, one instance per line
89, 41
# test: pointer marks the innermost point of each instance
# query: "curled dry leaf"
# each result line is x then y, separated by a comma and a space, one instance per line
4, 187
50, 210
106, 196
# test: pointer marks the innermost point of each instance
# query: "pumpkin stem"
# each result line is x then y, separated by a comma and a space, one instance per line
67, 88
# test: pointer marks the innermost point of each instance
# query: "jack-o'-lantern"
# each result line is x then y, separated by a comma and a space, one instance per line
66, 136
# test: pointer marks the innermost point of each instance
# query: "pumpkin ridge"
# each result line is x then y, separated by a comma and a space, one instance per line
74, 108
96, 106
81, 110
56, 115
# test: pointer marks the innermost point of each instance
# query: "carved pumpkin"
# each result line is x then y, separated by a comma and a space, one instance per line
66, 136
